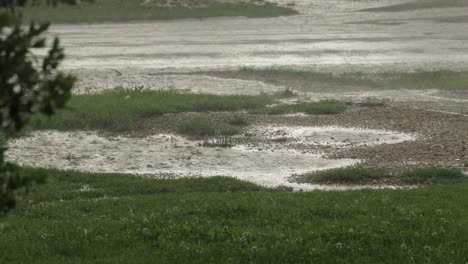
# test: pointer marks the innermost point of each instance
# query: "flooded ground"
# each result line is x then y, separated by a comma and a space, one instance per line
411, 128
327, 35
172, 156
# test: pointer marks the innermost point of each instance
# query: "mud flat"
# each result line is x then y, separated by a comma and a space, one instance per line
162, 155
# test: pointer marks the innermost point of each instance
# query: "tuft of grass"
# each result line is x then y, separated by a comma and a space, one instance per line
229, 131
203, 127
326, 107
348, 175
238, 120
196, 127
433, 176
124, 10
115, 218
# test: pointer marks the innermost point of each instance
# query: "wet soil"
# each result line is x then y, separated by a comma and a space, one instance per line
441, 138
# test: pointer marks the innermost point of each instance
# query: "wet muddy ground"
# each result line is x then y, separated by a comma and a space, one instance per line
412, 128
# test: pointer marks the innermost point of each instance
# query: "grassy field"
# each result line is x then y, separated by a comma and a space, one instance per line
107, 218
118, 110
443, 80
127, 10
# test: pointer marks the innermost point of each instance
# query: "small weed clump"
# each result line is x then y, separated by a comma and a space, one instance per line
229, 131
196, 127
238, 120
200, 127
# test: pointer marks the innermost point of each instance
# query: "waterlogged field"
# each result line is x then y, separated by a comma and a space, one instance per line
298, 139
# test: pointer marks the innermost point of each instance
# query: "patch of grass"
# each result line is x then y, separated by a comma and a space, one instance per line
238, 120
465, 164
118, 110
196, 127
326, 107
200, 127
229, 131
125, 10
111, 218
348, 175
433, 175
303, 80
362, 175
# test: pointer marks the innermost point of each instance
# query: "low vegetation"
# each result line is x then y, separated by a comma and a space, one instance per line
306, 80
118, 110
111, 218
325, 107
238, 120
124, 10
377, 175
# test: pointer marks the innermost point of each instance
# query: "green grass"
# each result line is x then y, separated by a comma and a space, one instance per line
360, 175
127, 10
196, 127
238, 120
119, 110
326, 107
433, 175
443, 80
200, 127
109, 218
348, 175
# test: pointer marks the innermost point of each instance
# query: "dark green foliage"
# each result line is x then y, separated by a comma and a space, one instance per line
433, 175
28, 86
363, 175
349, 175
